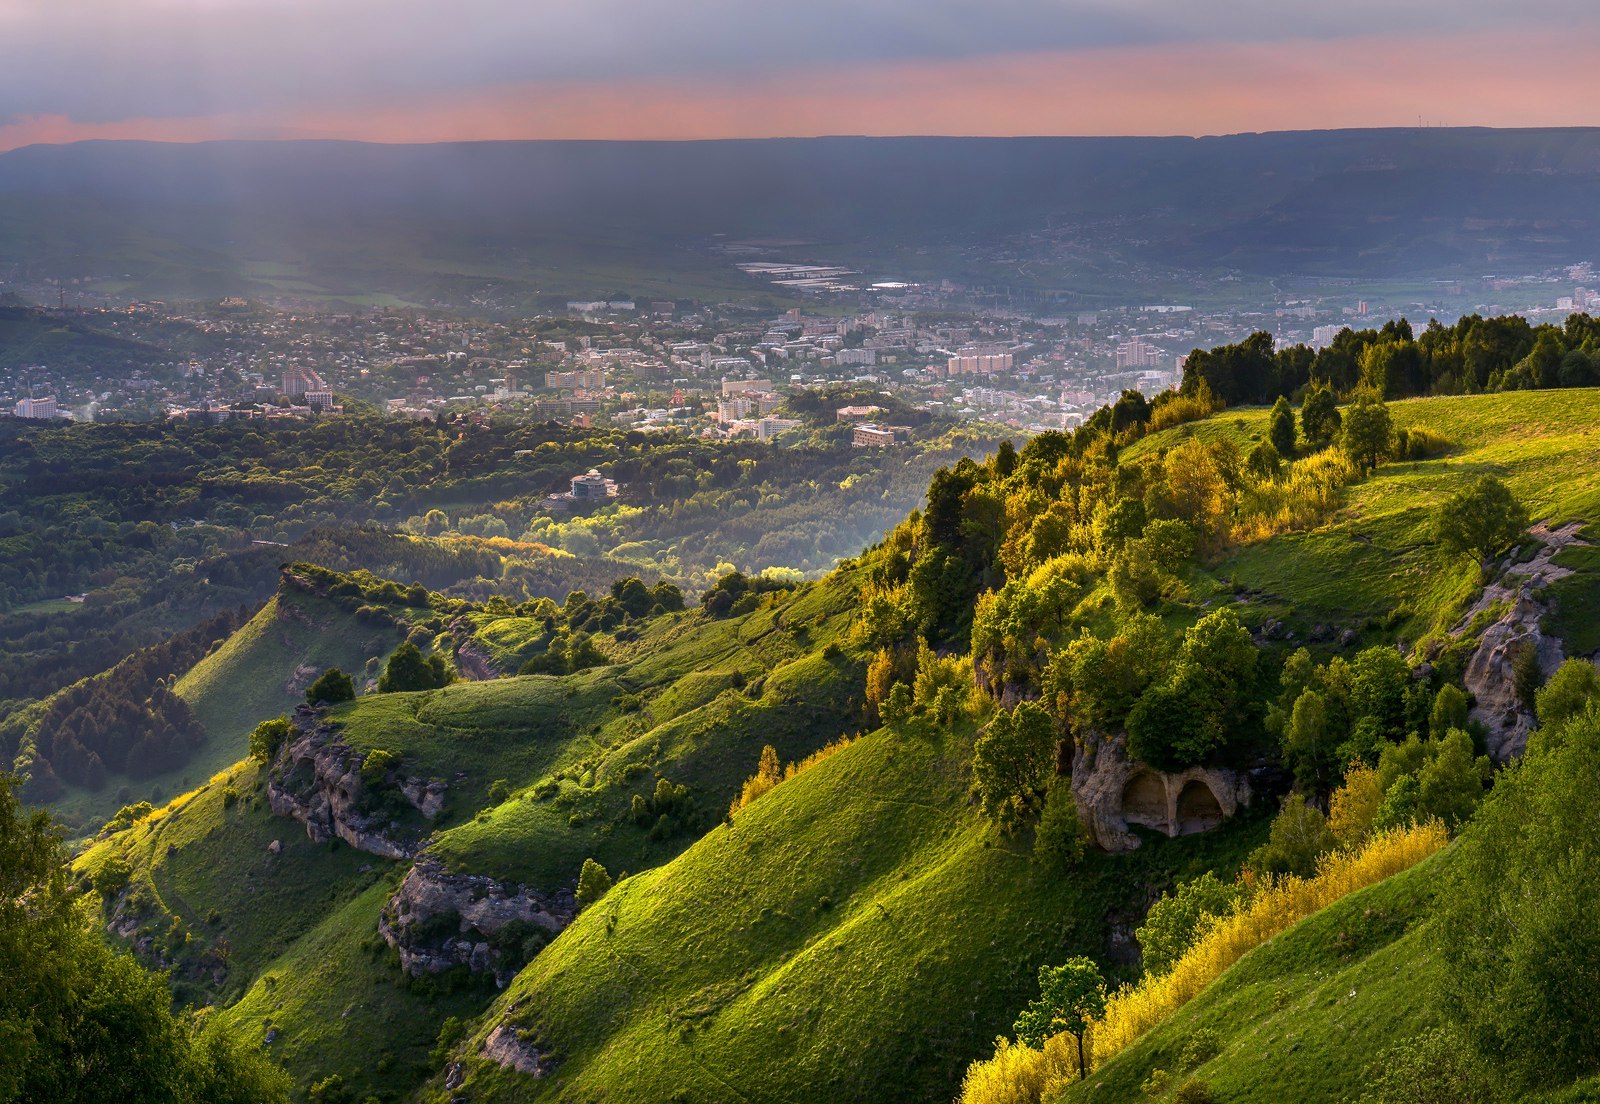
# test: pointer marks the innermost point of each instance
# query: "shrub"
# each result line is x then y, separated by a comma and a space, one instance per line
1193, 1091
499, 790
332, 687
1061, 837
1182, 916
377, 765
269, 736
409, 669
1299, 838
593, 883
1571, 691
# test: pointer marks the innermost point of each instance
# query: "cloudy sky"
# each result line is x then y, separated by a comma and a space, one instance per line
428, 70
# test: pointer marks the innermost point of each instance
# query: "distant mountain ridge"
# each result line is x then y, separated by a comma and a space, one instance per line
1350, 203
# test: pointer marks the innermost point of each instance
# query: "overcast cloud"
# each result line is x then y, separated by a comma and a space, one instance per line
104, 60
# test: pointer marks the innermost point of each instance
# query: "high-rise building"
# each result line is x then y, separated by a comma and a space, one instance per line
297, 381
36, 408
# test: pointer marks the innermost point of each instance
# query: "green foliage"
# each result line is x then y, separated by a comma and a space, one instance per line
1299, 837
1060, 839
1194, 1091
1527, 676
1480, 520
1012, 763
1516, 919
1449, 710
70, 1006
1180, 917
1320, 420
1203, 706
268, 736
1437, 1067
331, 687
1280, 428
593, 883
1572, 691
409, 669
1070, 997
377, 764
1367, 433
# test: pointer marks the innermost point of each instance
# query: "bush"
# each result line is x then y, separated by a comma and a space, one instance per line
1194, 1091
409, 669
1012, 763
593, 883
269, 736
1061, 837
1182, 916
377, 765
332, 687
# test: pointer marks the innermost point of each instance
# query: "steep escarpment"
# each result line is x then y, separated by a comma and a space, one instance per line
336, 792
437, 921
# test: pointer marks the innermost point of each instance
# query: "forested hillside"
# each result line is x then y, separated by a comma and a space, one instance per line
1178, 752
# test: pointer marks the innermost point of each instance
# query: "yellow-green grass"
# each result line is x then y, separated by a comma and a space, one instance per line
338, 1005
1304, 1015
859, 933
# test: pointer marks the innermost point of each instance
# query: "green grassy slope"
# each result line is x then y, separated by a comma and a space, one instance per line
260, 671
1373, 567
858, 934
692, 699
1303, 1015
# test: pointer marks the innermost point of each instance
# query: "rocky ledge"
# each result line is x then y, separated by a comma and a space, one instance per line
317, 781
438, 920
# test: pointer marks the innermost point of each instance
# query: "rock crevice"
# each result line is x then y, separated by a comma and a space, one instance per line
1113, 793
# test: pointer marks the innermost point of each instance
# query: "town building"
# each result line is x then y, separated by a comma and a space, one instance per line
591, 486
36, 408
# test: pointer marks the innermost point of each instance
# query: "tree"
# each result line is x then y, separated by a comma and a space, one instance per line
1450, 784
1449, 710
1280, 428
1194, 715
1368, 432
332, 687
1319, 417
1298, 838
1571, 692
1309, 745
593, 883
409, 669
1059, 840
1180, 917
1515, 914
268, 737
1480, 520
81, 1023
1354, 807
1012, 762
1071, 996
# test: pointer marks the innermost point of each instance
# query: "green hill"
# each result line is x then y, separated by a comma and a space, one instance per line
867, 927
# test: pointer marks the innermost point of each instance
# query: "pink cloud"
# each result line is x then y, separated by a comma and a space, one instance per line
1528, 79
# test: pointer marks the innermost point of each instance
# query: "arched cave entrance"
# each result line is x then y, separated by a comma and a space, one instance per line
1144, 801
1198, 808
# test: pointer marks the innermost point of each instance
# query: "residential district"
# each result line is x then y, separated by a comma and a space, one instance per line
720, 370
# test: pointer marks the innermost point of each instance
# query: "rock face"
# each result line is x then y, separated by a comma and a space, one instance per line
438, 920
504, 1048
1113, 792
1490, 672
317, 781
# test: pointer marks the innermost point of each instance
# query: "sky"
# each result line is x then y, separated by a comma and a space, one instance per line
450, 70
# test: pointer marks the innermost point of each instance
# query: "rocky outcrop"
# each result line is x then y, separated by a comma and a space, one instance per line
506, 1048
1113, 792
438, 920
317, 781
1490, 674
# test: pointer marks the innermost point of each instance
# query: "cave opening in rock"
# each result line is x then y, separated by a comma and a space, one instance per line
1144, 801
1198, 808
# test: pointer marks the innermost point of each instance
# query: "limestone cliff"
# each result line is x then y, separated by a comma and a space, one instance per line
1113, 792
317, 781
438, 920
